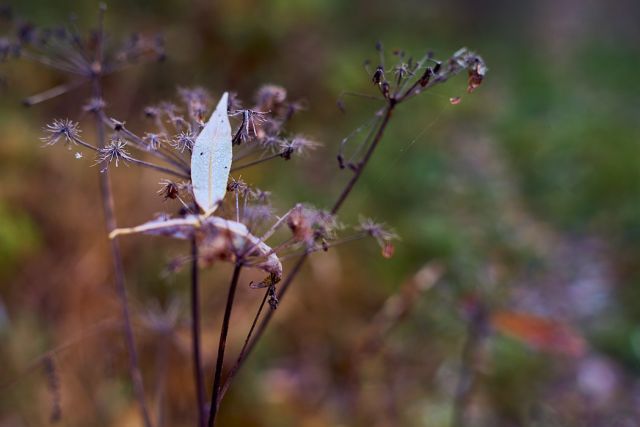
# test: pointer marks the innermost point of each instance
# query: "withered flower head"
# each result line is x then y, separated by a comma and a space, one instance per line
380, 234
197, 101
269, 97
238, 186
153, 141
65, 129
309, 225
169, 189
183, 141
299, 145
114, 152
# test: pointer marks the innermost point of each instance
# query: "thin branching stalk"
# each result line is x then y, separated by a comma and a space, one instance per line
361, 165
139, 162
168, 157
159, 168
108, 207
387, 112
257, 162
195, 332
53, 92
224, 330
244, 348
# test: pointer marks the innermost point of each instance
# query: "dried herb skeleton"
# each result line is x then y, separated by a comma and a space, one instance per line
229, 240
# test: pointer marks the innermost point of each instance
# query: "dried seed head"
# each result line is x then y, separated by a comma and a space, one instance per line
309, 225
477, 72
238, 186
197, 101
378, 75
153, 141
270, 97
65, 129
299, 145
169, 189
183, 141
249, 128
114, 152
380, 234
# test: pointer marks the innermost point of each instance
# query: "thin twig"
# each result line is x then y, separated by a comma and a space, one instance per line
139, 143
236, 366
224, 330
159, 168
195, 332
108, 207
298, 265
257, 162
53, 92
365, 159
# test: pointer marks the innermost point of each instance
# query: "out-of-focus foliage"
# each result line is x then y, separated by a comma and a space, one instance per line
527, 194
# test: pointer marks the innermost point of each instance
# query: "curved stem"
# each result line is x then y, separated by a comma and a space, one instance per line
195, 332
245, 346
224, 331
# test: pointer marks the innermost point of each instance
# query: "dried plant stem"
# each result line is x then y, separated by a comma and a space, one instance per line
53, 92
134, 160
224, 330
108, 208
377, 137
365, 159
257, 162
195, 332
159, 168
233, 370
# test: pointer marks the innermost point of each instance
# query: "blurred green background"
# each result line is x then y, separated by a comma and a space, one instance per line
527, 194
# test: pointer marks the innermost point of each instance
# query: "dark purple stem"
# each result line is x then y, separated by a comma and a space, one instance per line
224, 330
108, 207
195, 333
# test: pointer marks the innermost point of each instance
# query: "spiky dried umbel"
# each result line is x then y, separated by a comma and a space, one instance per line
64, 129
114, 152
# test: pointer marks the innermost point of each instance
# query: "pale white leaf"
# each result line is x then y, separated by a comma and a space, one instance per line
211, 159
179, 228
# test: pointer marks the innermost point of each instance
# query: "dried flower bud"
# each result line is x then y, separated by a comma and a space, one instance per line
378, 75
380, 234
476, 74
169, 189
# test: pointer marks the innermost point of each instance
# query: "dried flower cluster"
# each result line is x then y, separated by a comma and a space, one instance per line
245, 231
